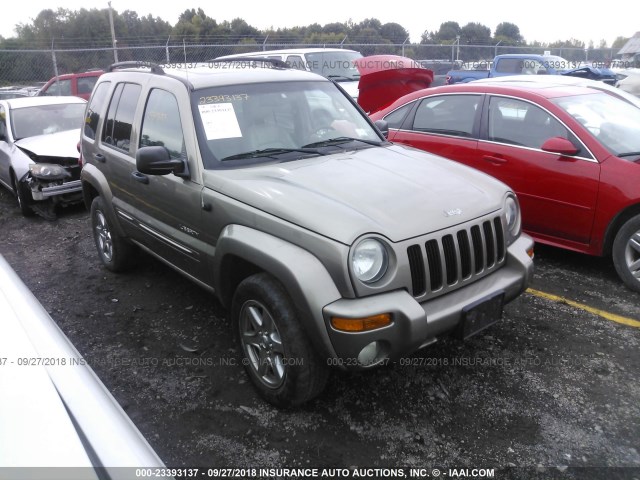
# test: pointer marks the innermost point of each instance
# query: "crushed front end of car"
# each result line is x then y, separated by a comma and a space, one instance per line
53, 178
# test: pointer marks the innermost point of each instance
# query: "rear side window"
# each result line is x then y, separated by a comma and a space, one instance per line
93, 111
296, 61
161, 124
396, 118
447, 114
117, 127
61, 87
86, 84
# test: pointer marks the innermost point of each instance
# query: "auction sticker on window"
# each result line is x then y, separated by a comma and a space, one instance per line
220, 121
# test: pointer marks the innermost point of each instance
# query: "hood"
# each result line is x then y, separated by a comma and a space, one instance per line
61, 144
396, 191
385, 78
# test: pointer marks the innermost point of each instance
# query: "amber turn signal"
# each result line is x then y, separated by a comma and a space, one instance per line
361, 324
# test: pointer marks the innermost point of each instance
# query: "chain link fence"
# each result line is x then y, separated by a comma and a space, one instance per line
34, 67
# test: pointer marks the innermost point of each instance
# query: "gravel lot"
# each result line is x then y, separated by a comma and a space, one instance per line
549, 387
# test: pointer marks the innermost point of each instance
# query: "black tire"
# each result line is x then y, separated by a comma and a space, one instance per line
277, 354
626, 253
23, 197
114, 251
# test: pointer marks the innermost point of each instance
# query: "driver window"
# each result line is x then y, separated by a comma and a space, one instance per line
161, 124
521, 123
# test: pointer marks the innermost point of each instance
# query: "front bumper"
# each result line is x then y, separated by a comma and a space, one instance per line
415, 324
44, 192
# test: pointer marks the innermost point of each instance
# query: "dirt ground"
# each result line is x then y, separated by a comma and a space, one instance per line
551, 391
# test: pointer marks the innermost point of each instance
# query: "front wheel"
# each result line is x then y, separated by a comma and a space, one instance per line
277, 354
23, 197
114, 251
626, 253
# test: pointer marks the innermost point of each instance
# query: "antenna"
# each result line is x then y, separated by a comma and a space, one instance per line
184, 49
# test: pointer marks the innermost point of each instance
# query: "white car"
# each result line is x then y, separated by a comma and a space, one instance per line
39, 157
337, 64
630, 82
563, 80
57, 419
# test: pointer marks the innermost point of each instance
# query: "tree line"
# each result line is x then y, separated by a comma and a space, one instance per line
64, 41
91, 29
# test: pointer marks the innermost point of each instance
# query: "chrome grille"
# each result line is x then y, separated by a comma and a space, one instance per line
456, 256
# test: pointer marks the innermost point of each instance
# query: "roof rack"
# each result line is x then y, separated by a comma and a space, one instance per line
276, 62
155, 68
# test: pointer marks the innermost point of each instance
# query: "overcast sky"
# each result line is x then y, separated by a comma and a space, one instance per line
543, 20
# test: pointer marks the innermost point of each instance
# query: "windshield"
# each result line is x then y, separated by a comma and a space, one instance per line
46, 119
335, 65
279, 121
612, 121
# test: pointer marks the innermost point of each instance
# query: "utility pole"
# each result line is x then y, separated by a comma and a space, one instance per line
113, 35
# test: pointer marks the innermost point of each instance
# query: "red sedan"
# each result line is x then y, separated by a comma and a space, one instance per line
571, 153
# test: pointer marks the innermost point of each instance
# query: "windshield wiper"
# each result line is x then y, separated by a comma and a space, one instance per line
343, 78
341, 140
628, 154
270, 152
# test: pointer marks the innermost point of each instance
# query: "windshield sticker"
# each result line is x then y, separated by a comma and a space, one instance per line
220, 121
222, 98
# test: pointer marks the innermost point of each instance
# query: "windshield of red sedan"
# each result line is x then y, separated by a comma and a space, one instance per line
46, 119
612, 121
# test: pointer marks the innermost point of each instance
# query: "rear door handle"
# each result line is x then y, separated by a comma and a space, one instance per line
494, 160
99, 157
140, 177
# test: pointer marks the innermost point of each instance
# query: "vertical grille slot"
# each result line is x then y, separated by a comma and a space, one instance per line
490, 243
465, 253
497, 222
450, 259
478, 248
416, 264
435, 265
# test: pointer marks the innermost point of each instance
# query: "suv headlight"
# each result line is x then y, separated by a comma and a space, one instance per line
369, 260
48, 171
512, 216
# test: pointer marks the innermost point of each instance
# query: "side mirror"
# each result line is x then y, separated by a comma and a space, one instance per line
383, 126
156, 160
559, 145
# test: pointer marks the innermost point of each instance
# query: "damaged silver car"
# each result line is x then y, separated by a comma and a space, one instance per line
39, 159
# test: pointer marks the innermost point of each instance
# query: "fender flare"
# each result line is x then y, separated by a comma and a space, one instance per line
94, 179
304, 277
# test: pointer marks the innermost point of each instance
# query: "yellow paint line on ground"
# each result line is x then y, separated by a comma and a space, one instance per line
596, 311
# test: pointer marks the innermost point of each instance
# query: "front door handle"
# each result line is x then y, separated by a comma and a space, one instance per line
140, 177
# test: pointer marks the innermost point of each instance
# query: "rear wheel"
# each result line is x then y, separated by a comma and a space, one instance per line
626, 253
23, 197
278, 355
114, 251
